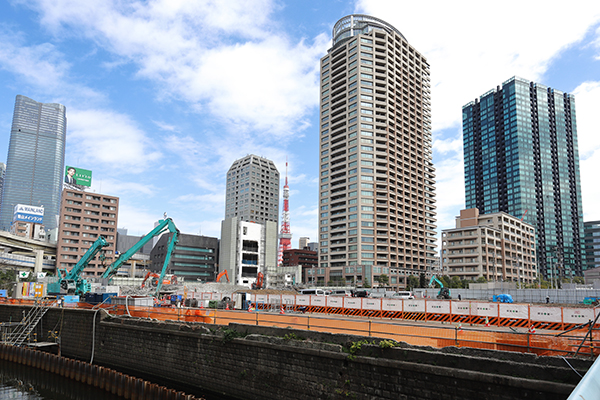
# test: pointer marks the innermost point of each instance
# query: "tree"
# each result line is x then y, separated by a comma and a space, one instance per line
481, 279
383, 279
455, 282
8, 278
412, 282
579, 280
366, 283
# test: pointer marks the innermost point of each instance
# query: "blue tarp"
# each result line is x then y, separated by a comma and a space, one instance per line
503, 298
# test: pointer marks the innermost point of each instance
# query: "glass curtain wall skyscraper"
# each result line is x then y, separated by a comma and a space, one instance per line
521, 157
377, 195
35, 162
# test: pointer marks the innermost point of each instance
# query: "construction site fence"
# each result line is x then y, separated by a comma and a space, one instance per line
555, 296
451, 311
416, 333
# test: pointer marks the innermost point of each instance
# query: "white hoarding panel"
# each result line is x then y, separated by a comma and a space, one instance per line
371, 304
461, 307
414, 305
274, 298
484, 309
249, 297
262, 298
317, 301
546, 314
391, 304
577, 315
335, 301
352, 302
302, 300
513, 311
288, 299
206, 296
438, 307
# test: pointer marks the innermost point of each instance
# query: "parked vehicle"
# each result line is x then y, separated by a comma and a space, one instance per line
341, 292
402, 295
362, 293
313, 292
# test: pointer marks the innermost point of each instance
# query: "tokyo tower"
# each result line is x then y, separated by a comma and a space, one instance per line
285, 236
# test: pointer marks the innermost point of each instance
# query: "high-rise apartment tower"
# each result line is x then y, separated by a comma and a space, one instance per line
252, 192
522, 158
377, 195
35, 162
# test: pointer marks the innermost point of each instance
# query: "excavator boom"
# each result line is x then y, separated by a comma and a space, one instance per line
163, 225
223, 274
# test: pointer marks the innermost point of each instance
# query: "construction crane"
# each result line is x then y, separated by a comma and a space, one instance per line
163, 226
71, 282
444, 292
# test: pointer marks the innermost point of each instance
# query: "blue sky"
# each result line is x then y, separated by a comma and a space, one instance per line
162, 96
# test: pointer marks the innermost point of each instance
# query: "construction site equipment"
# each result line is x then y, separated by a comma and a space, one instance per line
259, 281
163, 226
169, 279
70, 282
444, 292
223, 274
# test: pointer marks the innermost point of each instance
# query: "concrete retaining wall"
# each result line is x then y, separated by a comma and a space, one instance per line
251, 362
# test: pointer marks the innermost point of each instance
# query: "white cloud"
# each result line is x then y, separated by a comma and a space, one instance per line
110, 139
587, 100
121, 187
41, 67
264, 83
472, 47
137, 220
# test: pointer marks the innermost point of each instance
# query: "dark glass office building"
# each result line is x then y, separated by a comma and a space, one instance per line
35, 162
521, 157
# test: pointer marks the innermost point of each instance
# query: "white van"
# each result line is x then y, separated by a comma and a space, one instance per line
313, 292
341, 292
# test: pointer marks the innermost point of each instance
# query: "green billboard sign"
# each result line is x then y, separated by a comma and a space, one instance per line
78, 176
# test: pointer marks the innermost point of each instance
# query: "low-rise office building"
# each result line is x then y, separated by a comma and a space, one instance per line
194, 257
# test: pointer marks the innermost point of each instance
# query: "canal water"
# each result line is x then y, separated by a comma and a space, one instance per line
22, 382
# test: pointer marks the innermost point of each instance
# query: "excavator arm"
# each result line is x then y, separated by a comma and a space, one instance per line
223, 274
163, 225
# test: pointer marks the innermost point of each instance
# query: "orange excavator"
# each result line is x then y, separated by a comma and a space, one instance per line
154, 277
259, 281
224, 273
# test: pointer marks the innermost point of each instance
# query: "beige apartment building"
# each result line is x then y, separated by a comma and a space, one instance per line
83, 217
498, 247
377, 193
